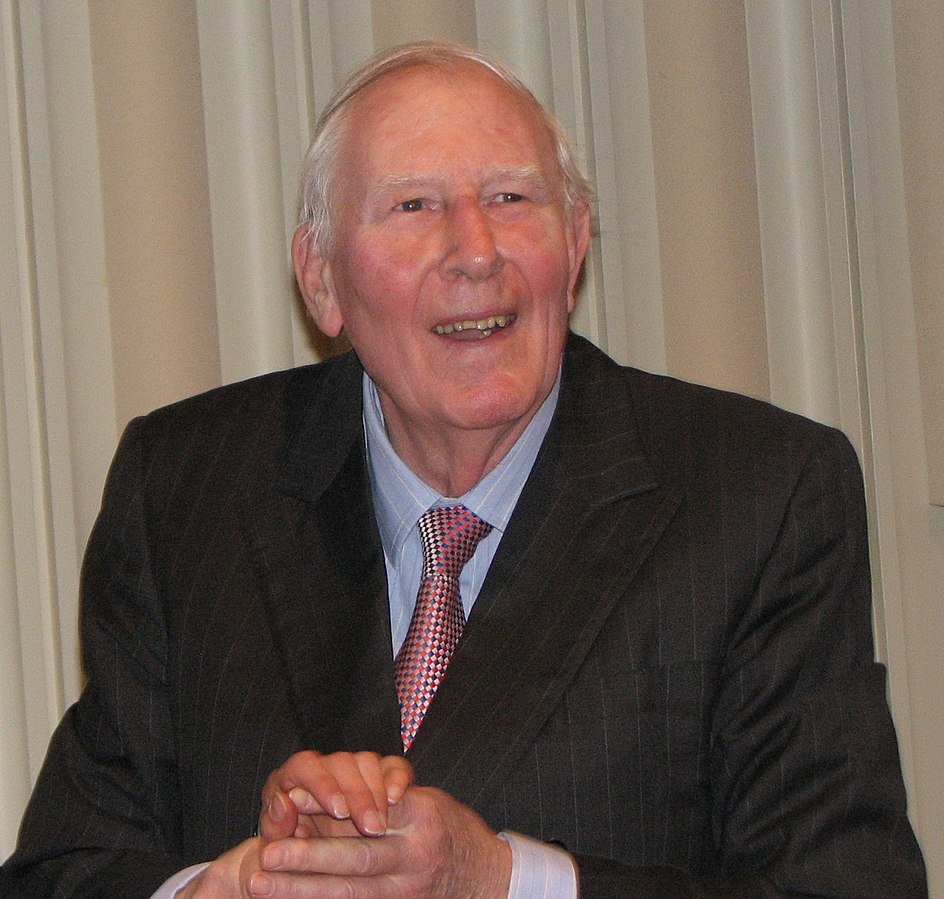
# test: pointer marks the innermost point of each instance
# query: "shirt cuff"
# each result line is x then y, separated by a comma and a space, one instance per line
168, 889
539, 870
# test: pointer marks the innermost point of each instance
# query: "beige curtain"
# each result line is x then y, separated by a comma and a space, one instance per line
769, 177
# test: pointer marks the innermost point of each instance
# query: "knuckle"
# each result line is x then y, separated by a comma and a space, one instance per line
307, 756
364, 860
395, 762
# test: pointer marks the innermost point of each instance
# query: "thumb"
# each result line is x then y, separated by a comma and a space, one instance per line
278, 817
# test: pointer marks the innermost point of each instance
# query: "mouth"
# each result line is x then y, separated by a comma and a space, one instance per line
477, 329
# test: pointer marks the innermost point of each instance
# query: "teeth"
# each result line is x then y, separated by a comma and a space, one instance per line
485, 326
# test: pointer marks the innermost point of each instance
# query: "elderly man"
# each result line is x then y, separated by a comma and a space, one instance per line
470, 611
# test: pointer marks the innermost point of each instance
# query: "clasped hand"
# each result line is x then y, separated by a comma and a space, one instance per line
356, 825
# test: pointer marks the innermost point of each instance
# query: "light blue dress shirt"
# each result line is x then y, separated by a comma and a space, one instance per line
400, 498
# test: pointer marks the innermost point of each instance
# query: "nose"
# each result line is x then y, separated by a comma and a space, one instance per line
471, 249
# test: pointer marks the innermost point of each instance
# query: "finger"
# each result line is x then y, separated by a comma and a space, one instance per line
341, 856
314, 773
361, 777
397, 776
274, 885
357, 785
278, 817
305, 802
324, 826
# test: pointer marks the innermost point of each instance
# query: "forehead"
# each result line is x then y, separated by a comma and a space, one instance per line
463, 107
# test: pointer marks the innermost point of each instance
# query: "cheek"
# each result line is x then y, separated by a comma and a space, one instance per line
542, 256
368, 295
386, 280
551, 281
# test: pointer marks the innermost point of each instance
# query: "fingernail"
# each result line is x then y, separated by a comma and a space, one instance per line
339, 806
372, 823
299, 798
277, 808
261, 885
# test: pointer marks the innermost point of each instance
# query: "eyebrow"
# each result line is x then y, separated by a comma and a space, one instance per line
529, 173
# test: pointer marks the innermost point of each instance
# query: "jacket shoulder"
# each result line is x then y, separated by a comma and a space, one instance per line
680, 421
271, 391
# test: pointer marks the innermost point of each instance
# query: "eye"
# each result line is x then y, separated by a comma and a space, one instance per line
508, 197
414, 205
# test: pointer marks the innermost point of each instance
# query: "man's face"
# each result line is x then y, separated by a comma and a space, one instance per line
450, 211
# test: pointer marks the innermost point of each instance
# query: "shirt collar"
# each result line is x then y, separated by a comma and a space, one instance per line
400, 497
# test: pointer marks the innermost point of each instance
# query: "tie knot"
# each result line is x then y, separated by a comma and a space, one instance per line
450, 536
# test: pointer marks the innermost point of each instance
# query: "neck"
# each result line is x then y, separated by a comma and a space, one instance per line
453, 463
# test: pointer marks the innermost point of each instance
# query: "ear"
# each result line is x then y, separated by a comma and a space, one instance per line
313, 273
577, 245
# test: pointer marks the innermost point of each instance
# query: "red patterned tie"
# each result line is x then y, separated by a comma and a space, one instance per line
449, 539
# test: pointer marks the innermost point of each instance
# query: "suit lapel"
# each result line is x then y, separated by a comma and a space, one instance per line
316, 546
589, 516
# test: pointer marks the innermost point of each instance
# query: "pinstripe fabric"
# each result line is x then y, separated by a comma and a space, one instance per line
668, 667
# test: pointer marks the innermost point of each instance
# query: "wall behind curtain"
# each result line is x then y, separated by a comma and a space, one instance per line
768, 220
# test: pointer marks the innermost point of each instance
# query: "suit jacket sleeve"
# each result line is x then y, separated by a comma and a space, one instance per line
806, 792
190, 704
103, 818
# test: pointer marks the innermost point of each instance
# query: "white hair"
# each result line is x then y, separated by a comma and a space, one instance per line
321, 164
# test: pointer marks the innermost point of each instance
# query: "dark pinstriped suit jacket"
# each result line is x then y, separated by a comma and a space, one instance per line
669, 668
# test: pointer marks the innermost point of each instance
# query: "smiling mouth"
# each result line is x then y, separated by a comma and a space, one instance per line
484, 327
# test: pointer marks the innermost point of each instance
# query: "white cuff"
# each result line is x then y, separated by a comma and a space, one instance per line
168, 889
539, 870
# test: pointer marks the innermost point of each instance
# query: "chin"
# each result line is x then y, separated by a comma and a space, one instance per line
499, 409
